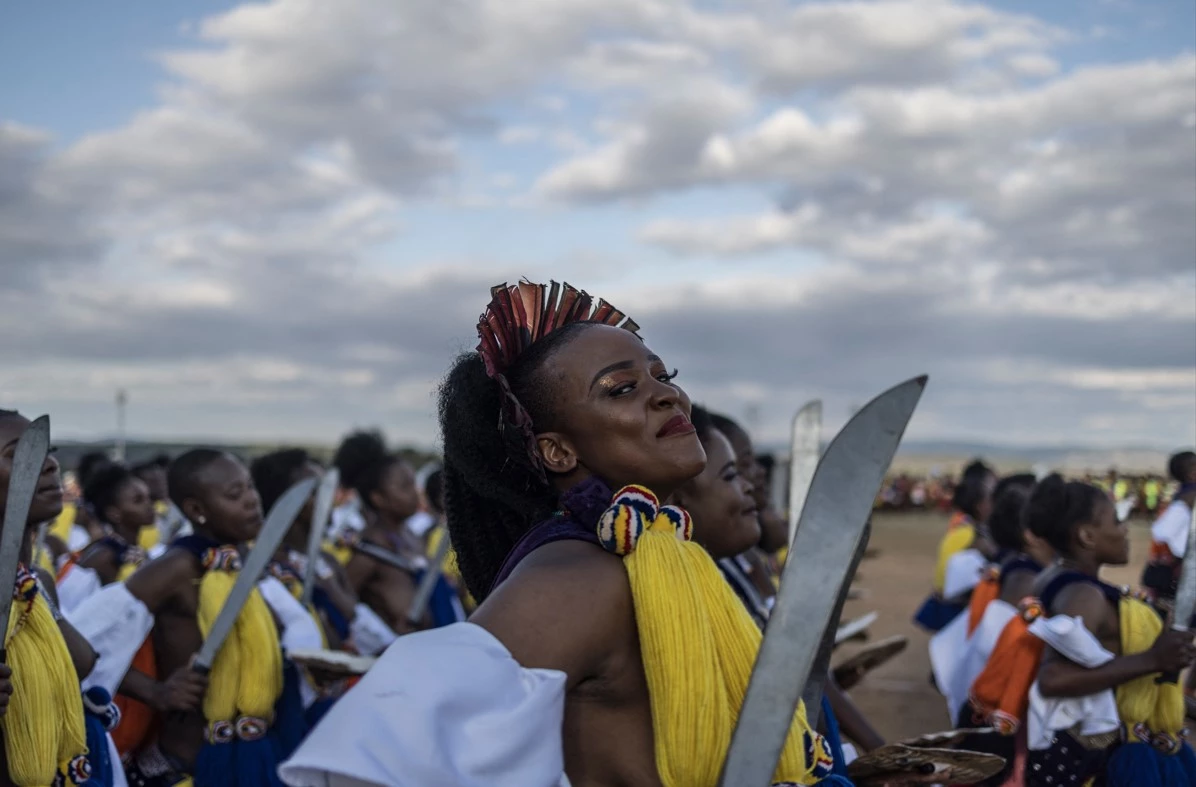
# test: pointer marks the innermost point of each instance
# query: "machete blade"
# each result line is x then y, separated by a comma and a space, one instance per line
804, 447
27, 463
325, 497
832, 526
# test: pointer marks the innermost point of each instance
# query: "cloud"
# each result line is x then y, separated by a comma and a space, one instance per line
44, 230
264, 251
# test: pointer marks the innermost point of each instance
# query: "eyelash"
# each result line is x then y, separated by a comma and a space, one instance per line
666, 378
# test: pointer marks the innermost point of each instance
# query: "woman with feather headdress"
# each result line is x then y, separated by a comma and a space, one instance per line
607, 645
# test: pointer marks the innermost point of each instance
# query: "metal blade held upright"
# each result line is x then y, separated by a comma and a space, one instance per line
427, 584
831, 528
812, 696
804, 447
278, 522
27, 463
325, 497
1185, 593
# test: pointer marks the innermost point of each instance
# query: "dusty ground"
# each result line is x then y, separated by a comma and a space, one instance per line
898, 697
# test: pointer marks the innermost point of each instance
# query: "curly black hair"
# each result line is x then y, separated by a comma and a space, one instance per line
970, 490
104, 486
363, 460
274, 473
1180, 465
1009, 501
90, 463
493, 490
1056, 507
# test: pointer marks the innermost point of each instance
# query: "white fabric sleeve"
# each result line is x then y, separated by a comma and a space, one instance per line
445, 706
947, 649
964, 571
1171, 528
369, 633
1072, 640
1095, 713
299, 628
300, 631
79, 583
115, 624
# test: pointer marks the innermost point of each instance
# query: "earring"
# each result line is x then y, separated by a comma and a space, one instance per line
203, 520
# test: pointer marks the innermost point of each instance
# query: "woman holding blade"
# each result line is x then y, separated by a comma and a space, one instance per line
607, 645
214, 729
42, 721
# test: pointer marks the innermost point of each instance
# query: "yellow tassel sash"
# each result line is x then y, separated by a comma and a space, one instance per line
698, 646
43, 729
246, 677
1151, 712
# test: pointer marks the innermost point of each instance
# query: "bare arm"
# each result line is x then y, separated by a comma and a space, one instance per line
566, 607
359, 571
157, 583
82, 654
339, 590
1059, 677
389, 594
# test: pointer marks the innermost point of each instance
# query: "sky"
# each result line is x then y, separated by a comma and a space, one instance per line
279, 221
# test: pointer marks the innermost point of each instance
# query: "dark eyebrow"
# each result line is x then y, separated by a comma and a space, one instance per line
10, 442
618, 367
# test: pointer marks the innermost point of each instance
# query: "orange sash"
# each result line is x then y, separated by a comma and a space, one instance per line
988, 590
136, 718
1001, 694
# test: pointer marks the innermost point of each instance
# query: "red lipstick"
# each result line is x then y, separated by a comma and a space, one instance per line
677, 425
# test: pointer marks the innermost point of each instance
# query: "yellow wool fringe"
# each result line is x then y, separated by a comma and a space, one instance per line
246, 677
43, 728
1159, 706
698, 645
956, 540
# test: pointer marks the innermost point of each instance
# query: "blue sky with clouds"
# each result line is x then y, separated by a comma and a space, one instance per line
280, 220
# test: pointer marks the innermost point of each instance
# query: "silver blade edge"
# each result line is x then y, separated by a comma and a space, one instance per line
829, 533
812, 696
27, 463
279, 521
423, 594
804, 446
321, 513
1185, 594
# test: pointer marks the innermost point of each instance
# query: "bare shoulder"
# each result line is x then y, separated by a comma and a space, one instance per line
157, 581
567, 606
1017, 585
1083, 600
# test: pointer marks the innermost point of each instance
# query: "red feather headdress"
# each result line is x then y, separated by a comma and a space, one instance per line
518, 316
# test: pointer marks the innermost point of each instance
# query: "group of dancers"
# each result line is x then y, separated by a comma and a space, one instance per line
595, 623
1078, 677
